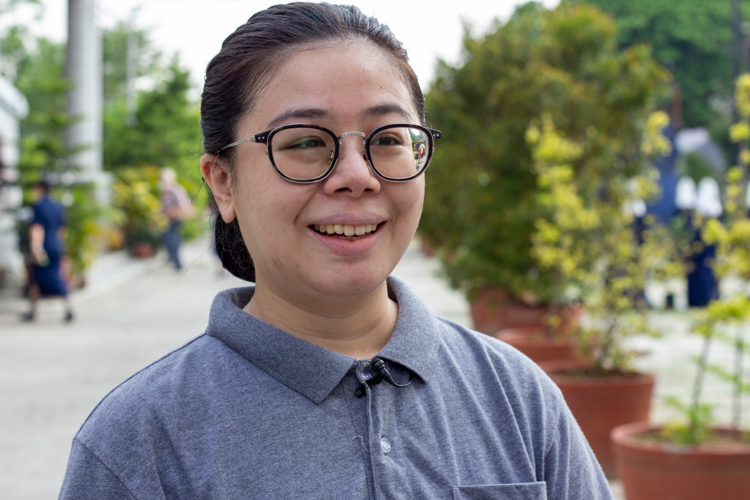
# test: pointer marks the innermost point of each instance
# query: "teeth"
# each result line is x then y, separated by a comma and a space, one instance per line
345, 230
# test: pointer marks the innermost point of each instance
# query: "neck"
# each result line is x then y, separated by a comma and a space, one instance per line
356, 326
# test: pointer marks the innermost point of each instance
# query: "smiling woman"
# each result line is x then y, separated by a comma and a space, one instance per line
328, 378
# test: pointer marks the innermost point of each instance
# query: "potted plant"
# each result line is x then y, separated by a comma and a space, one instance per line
482, 206
560, 243
593, 246
696, 459
135, 195
84, 234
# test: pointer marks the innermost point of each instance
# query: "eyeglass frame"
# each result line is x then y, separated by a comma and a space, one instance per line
267, 136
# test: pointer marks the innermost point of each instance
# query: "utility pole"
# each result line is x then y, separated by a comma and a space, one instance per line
132, 74
84, 71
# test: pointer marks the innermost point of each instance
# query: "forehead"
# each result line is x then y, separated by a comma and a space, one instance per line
335, 82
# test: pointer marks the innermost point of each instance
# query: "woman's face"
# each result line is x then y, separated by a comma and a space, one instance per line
347, 86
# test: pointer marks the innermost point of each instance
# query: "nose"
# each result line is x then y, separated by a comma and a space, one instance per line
351, 174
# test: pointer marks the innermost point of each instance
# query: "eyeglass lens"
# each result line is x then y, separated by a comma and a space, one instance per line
307, 153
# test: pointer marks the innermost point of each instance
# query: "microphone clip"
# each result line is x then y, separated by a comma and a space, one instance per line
381, 372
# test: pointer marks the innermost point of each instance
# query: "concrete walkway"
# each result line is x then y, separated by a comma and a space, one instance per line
134, 312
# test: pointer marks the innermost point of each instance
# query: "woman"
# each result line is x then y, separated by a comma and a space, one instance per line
46, 252
327, 379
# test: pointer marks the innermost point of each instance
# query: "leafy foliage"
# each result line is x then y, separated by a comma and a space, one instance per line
695, 430
40, 78
166, 129
37, 67
84, 228
136, 195
690, 37
589, 244
482, 207
730, 314
115, 60
166, 133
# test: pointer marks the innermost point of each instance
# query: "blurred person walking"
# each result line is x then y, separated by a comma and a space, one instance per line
176, 205
46, 252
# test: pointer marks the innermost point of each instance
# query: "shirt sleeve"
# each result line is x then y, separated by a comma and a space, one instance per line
87, 478
38, 217
571, 469
169, 199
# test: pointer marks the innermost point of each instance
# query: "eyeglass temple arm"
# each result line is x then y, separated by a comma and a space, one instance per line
436, 134
261, 138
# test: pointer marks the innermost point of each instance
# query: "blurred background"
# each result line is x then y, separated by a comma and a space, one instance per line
588, 204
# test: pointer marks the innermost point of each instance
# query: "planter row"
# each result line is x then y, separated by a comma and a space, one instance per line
613, 413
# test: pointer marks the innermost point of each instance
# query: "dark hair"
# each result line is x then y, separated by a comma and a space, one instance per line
43, 185
247, 61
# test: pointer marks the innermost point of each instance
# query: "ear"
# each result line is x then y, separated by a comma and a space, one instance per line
218, 181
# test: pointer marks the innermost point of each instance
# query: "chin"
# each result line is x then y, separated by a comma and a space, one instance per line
350, 282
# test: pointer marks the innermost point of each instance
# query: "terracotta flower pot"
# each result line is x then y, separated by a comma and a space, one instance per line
600, 404
427, 249
142, 250
494, 310
651, 470
534, 342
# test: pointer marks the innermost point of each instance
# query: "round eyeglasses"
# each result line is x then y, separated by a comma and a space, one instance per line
307, 153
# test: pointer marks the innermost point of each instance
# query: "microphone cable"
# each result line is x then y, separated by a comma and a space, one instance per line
381, 372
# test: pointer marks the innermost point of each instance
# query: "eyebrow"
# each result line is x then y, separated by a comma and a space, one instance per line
307, 113
313, 114
387, 109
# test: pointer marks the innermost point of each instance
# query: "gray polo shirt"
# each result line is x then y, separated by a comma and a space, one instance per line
247, 411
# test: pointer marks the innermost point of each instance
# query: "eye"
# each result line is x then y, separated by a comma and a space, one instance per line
386, 140
306, 143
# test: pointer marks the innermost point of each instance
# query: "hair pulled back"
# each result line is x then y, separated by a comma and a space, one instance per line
246, 62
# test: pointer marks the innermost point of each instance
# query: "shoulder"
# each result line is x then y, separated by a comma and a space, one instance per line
152, 400
500, 373
484, 352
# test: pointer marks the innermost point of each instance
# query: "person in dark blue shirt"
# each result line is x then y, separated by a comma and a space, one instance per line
46, 252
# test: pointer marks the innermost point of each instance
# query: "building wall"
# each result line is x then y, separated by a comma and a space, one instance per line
11, 261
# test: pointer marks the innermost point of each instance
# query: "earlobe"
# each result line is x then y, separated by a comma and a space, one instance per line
218, 182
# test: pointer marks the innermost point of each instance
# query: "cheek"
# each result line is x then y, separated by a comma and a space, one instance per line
267, 209
410, 201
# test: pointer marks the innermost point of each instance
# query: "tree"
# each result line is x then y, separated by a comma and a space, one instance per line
691, 38
167, 132
481, 205
38, 67
115, 60
166, 129
39, 76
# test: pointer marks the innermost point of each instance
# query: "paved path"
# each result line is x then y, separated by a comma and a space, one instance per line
134, 312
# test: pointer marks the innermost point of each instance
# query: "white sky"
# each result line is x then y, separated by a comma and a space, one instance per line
196, 28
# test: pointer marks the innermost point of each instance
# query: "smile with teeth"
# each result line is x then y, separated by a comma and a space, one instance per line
345, 231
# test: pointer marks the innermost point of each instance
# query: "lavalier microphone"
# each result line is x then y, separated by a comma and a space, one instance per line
381, 372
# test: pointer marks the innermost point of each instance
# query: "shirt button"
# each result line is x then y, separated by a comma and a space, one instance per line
385, 445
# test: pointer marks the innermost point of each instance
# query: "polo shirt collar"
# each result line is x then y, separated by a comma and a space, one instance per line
310, 369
